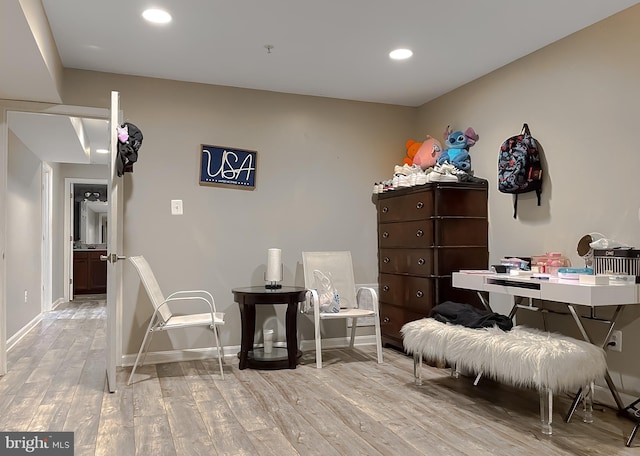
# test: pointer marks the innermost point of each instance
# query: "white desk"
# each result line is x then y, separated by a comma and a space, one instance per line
559, 290
569, 292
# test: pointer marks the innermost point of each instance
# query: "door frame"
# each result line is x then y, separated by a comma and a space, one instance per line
47, 244
69, 216
7, 106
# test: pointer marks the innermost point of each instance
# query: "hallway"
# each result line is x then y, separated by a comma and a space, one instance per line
56, 376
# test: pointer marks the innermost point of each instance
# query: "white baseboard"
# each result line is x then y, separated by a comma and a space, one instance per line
17, 337
56, 303
602, 395
172, 356
338, 342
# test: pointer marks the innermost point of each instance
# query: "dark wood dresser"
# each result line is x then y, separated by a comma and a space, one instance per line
424, 234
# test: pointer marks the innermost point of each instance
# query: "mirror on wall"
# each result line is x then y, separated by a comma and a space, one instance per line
93, 222
91, 208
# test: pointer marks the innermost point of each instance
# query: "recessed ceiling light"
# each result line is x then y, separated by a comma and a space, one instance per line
102, 151
400, 54
157, 16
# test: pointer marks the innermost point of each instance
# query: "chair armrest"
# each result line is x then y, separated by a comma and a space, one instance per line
372, 292
190, 294
310, 300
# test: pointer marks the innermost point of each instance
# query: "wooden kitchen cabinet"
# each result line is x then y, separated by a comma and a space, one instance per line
424, 234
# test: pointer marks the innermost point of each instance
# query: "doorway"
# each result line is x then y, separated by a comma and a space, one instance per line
7, 107
85, 212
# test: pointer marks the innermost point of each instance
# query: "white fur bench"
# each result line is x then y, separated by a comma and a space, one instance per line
523, 357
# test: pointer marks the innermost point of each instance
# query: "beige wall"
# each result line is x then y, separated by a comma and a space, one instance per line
581, 98
317, 161
23, 253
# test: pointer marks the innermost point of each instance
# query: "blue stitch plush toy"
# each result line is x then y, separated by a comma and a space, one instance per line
457, 145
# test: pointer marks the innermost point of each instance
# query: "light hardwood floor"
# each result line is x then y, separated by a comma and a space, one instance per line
56, 382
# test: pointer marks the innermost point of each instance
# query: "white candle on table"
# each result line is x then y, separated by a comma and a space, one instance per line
274, 265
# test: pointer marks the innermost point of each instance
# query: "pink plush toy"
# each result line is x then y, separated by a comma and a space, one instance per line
428, 153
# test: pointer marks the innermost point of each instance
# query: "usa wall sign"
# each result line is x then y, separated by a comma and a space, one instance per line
225, 166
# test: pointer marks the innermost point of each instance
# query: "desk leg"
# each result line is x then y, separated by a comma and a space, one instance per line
292, 334
607, 377
248, 323
484, 301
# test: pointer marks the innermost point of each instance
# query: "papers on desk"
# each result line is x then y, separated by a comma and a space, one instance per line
520, 273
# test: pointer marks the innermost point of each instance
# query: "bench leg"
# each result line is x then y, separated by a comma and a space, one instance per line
546, 410
417, 368
584, 394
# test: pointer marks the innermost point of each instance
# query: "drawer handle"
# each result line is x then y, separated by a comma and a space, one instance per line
386, 320
385, 235
419, 233
385, 209
419, 294
420, 205
421, 261
385, 288
386, 259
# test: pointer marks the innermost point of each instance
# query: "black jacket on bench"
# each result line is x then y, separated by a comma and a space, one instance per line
466, 315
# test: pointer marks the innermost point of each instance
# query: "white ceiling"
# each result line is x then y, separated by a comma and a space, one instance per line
328, 48
61, 139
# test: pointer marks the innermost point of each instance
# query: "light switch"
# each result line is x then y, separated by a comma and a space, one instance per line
176, 207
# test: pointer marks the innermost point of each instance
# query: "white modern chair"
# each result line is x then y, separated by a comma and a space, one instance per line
339, 268
164, 320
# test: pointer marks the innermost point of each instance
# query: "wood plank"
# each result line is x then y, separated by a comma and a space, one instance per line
84, 417
172, 380
306, 403
147, 394
271, 442
303, 437
250, 410
184, 417
153, 436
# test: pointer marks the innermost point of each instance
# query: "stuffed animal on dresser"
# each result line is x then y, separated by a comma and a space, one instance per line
412, 148
457, 145
428, 153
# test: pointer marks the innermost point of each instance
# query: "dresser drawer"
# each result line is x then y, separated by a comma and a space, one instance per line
414, 206
406, 261
415, 293
460, 201
392, 318
453, 259
461, 231
407, 234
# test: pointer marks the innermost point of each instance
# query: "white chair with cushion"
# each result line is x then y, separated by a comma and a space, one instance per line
163, 318
338, 267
